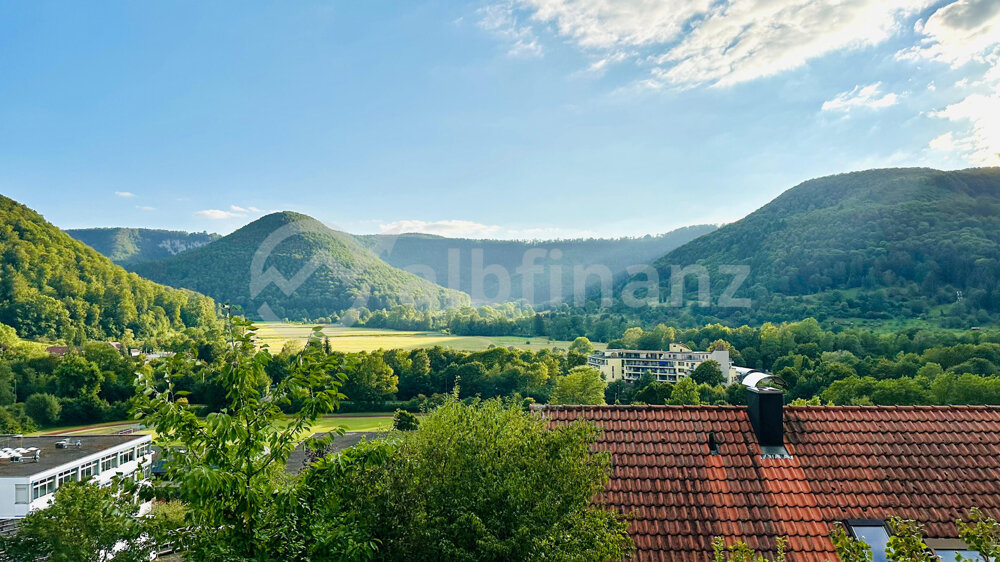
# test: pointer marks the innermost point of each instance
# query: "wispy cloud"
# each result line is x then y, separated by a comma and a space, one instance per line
124, 194
690, 42
218, 214
449, 228
501, 20
470, 229
979, 141
867, 97
145, 208
235, 211
960, 32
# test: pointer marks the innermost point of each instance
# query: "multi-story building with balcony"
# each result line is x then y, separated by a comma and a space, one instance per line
33, 468
667, 366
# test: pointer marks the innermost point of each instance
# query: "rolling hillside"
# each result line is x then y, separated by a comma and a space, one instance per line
52, 286
337, 274
432, 256
907, 244
135, 245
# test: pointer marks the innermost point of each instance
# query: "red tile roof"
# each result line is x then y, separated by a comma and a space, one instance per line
928, 463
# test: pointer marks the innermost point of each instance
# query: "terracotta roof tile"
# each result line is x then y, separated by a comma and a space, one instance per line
929, 463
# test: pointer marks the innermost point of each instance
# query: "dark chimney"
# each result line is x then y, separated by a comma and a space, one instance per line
765, 407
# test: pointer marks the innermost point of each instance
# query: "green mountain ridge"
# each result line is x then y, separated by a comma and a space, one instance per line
445, 257
134, 245
289, 265
905, 243
52, 286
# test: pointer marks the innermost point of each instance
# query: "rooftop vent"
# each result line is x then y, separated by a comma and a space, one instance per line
765, 405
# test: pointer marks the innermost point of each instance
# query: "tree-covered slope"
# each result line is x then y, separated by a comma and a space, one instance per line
136, 245
446, 257
56, 287
885, 244
337, 273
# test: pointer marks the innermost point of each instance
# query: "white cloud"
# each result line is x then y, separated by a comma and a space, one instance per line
124, 194
470, 229
501, 20
691, 42
218, 214
960, 32
449, 228
145, 208
979, 143
869, 96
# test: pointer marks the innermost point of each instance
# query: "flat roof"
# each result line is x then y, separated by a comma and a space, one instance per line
50, 457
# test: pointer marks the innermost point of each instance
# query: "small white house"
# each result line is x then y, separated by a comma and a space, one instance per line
33, 468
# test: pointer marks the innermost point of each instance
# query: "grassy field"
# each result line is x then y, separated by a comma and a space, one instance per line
275, 334
350, 422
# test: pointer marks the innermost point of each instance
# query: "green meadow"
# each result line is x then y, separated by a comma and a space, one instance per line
275, 334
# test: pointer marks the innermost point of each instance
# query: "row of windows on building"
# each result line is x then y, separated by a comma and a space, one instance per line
49, 485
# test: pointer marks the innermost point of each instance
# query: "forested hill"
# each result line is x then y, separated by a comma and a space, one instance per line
882, 244
52, 286
346, 276
135, 245
432, 253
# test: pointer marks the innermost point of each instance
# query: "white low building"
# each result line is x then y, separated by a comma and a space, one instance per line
33, 468
669, 365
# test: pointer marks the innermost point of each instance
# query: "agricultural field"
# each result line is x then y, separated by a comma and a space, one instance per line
350, 422
275, 334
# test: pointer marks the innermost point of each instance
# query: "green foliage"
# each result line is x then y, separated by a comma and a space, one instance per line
708, 372
741, 551
848, 548
228, 473
347, 275
981, 533
135, 245
906, 544
43, 408
52, 286
8, 337
685, 393
369, 378
485, 481
85, 522
404, 421
582, 345
581, 385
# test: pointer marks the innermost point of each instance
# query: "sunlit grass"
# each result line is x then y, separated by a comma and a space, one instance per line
275, 334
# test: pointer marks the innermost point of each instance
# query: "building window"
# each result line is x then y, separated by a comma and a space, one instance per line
873, 533
126, 456
65, 476
43, 487
20, 493
109, 462
88, 470
143, 450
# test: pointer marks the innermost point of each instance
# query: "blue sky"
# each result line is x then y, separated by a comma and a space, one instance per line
535, 118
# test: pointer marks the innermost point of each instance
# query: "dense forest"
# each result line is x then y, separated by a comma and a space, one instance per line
456, 262
52, 286
914, 243
339, 274
94, 382
135, 245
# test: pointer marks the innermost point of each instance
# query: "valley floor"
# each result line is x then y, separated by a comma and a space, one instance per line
275, 334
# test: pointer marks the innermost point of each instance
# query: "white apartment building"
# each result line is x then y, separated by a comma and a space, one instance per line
33, 468
667, 366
